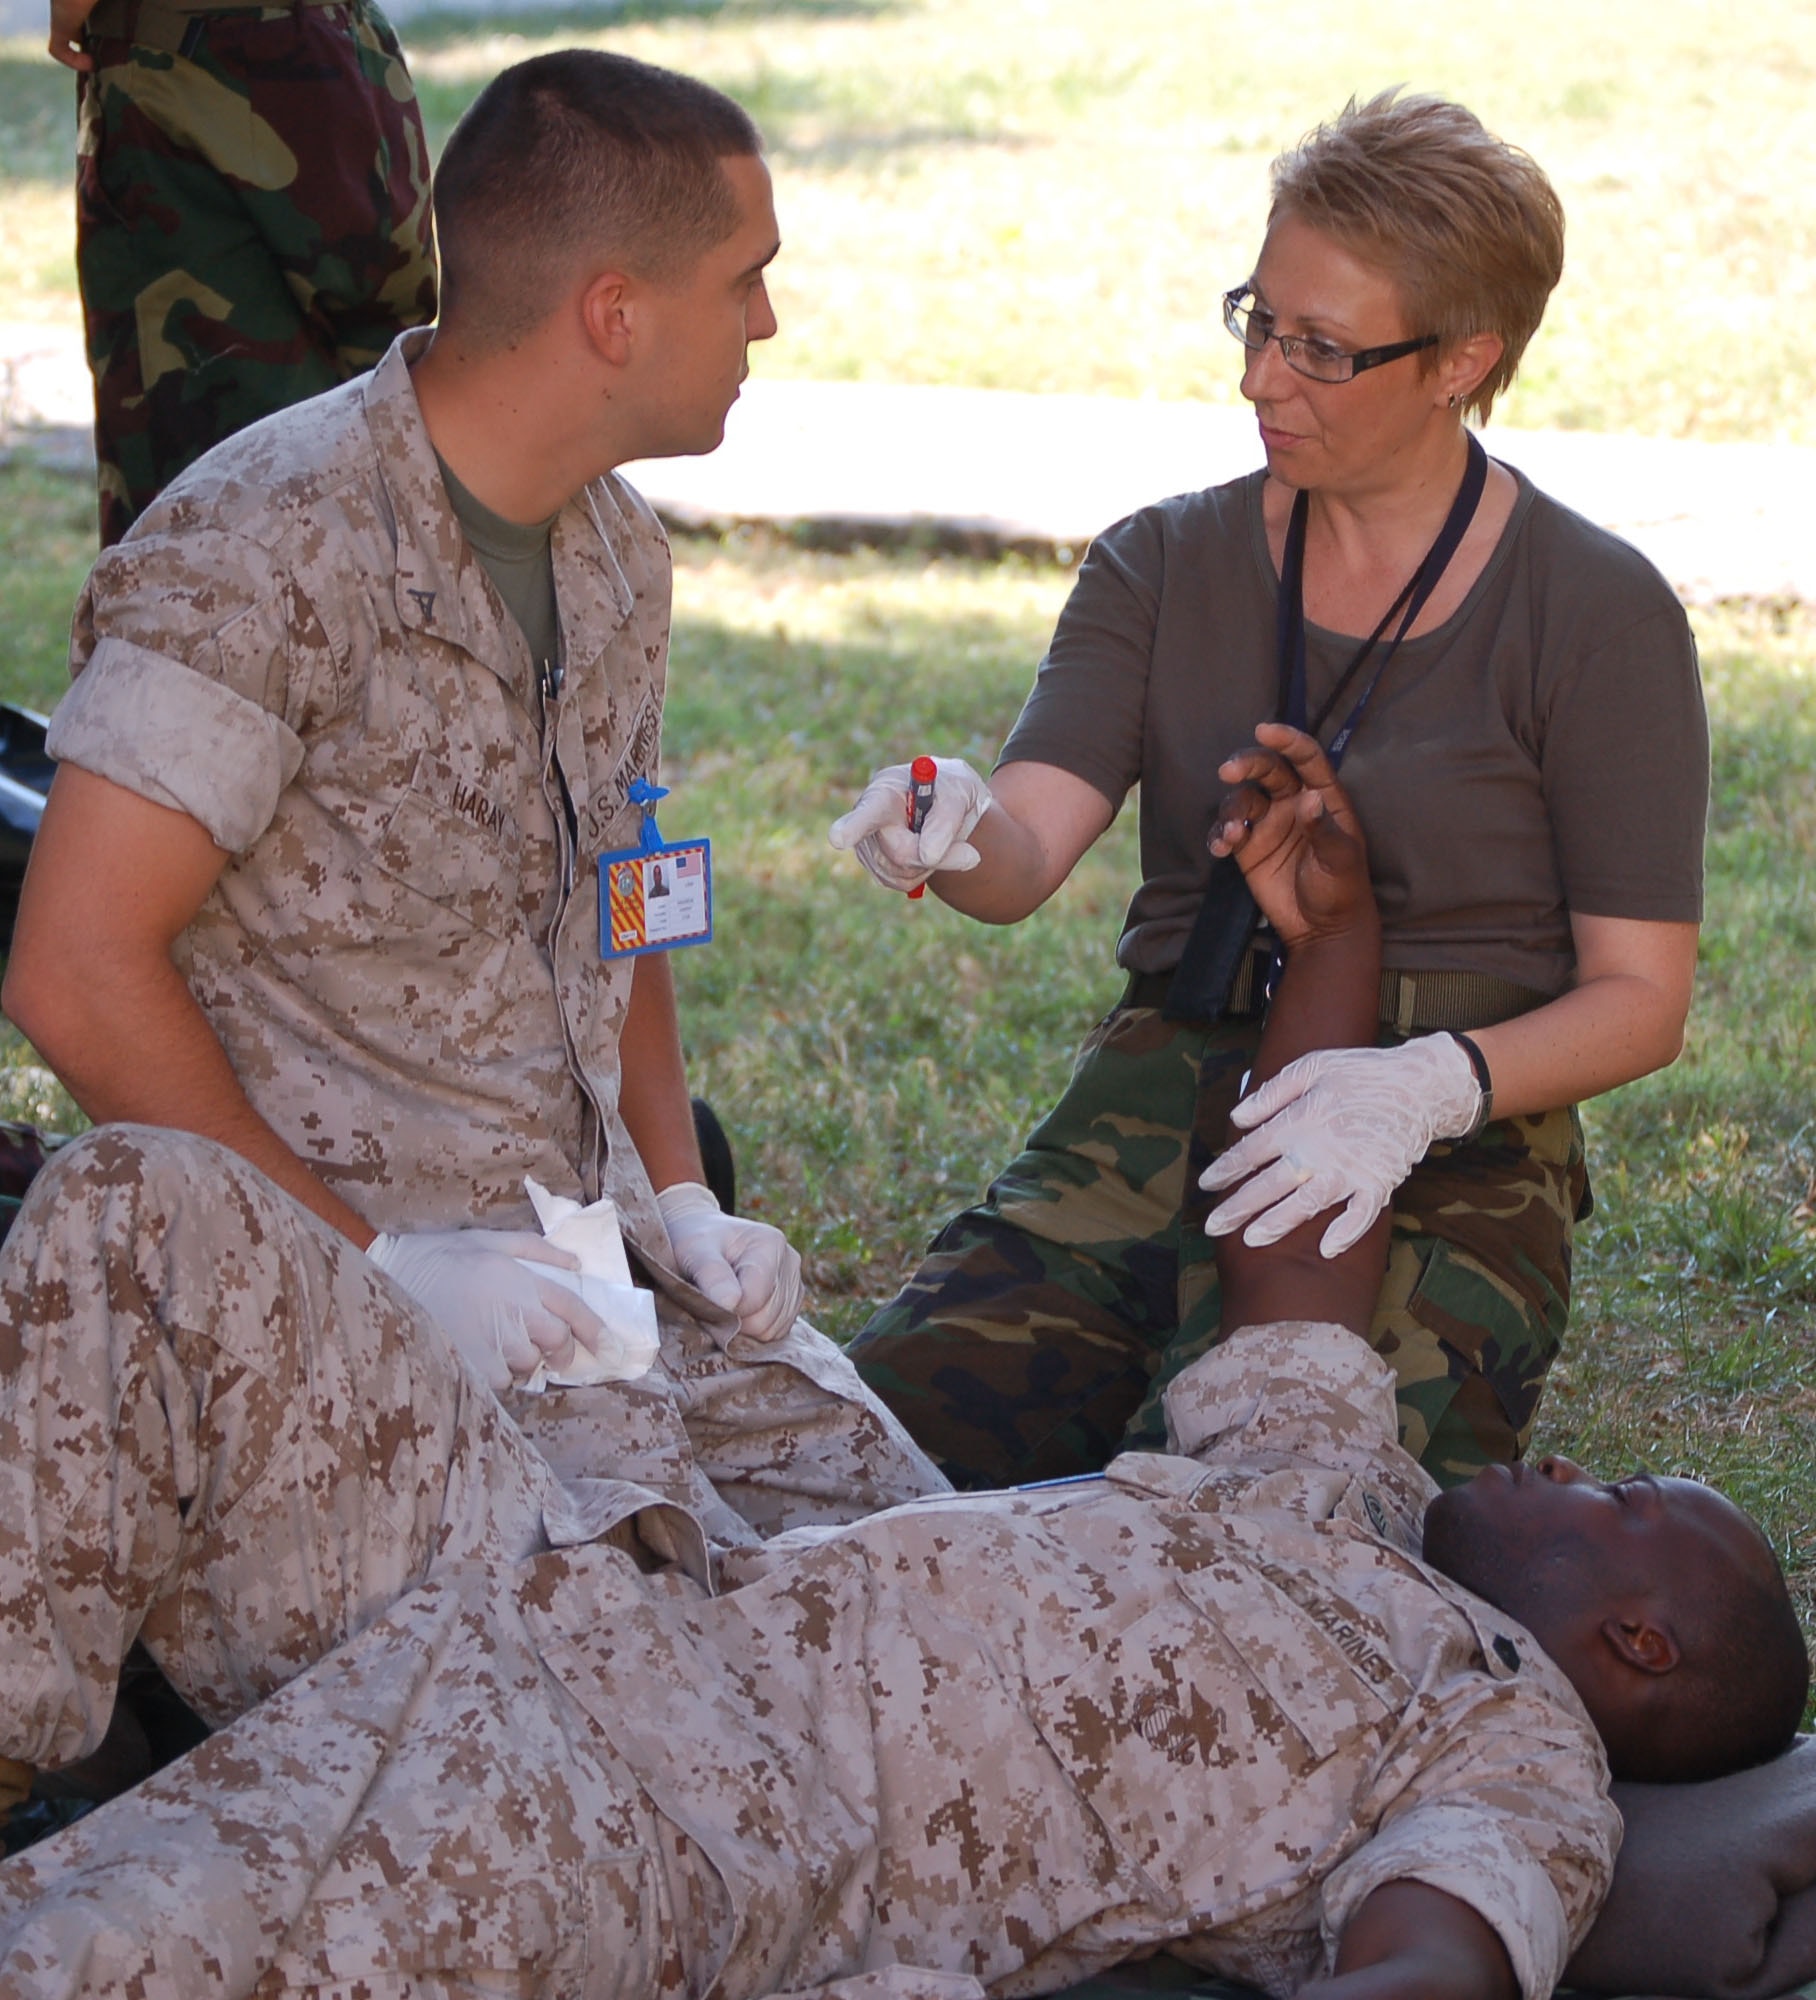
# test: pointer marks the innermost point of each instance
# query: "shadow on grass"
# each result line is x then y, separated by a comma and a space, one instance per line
1706, 1171
864, 149
824, 706
442, 27
807, 118
773, 97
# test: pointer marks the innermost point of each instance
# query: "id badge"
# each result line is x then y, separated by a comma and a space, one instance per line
658, 895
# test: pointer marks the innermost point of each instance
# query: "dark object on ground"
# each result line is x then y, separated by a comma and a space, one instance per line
715, 1156
25, 775
1715, 1891
152, 1726
37, 1819
23, 1150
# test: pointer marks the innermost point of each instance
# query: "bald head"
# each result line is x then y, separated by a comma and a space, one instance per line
1660, 1599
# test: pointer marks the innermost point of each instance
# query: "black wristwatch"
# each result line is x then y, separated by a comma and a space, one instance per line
1479, 1063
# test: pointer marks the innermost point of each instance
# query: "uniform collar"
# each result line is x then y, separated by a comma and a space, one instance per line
592, 593
441, 587
1507, 1647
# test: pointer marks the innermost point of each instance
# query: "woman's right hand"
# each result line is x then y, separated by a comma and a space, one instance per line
877, 830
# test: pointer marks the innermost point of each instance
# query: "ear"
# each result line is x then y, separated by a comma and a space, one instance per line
1464, 369
608, 316
1637, 1643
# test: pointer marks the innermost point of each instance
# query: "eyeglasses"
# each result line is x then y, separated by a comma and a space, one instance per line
1305, 353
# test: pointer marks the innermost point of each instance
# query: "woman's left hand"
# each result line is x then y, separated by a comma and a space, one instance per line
1343, 1128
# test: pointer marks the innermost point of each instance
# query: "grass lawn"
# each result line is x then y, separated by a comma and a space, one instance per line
875, 1061
1049, 194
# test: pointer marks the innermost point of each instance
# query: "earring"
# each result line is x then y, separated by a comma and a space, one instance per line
1454, 401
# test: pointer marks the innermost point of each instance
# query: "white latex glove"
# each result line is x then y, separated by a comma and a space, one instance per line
1343, 1125
877, 826
746, 1267
503, 1319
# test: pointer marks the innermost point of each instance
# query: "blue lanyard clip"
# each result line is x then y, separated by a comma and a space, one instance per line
643, 793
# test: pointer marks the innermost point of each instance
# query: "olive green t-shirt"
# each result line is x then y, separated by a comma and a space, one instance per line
1544, 750
519, 558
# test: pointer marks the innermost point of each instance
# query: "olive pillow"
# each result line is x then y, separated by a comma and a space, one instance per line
1715, 1892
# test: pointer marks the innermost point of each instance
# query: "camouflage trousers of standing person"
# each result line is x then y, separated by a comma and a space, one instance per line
252, 222
1040, 1331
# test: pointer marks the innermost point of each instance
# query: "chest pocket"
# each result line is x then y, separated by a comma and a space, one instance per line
1173, 1738
1331, 1664
451, 840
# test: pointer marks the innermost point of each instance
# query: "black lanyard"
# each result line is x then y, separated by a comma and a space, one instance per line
1411, 601
1226, 919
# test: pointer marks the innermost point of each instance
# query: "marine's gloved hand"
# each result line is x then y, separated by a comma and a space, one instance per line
502, 1318
877, 826
1343, 1125
746, 1267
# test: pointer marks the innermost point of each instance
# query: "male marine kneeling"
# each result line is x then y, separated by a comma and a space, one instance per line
1212, 1699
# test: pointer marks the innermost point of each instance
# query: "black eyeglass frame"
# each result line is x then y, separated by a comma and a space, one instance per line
1360, 362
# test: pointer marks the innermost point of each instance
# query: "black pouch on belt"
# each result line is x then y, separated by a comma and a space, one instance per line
1220, 937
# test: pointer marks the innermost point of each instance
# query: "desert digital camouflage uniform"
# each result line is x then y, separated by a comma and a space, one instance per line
1038, 1334
974, 1744
224, 1429
252, 222
297, 648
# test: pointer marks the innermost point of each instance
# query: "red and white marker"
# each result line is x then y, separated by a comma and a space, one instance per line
921, 774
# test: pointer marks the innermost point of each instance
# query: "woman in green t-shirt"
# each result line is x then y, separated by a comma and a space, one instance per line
1521, 727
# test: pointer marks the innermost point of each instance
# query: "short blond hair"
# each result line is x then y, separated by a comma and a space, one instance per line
1469, 227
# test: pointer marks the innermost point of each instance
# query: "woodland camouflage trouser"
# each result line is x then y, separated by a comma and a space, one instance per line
252, 203
1038, 1334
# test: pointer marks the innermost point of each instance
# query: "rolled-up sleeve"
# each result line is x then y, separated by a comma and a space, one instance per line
1513, 1820
173, 736
197, 666
1302, 1387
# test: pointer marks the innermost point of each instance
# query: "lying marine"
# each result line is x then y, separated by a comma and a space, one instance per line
1266, 1699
